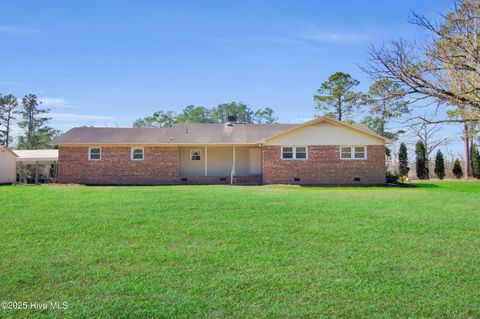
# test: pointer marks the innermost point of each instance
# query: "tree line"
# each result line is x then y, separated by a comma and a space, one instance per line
201, 114
30, 118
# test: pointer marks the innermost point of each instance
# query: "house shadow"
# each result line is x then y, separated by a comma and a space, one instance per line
425, 185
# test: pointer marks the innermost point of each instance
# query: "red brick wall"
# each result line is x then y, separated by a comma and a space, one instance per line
160, 166
324, 166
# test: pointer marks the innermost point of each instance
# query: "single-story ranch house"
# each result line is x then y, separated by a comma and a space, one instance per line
321, 151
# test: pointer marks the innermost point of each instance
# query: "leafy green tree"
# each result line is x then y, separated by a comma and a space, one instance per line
243, 113
336, 97
194, 114
8, 110
387, 102
265, 115
37, 134
403, 168
422, 168
158, 119
439, 165
457, 169
475, 161
41, 138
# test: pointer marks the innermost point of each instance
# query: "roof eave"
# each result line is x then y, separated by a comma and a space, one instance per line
332, 120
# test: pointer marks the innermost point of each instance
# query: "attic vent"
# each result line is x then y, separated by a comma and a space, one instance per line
232, 118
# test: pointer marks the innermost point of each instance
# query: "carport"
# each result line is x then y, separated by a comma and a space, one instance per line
37, 158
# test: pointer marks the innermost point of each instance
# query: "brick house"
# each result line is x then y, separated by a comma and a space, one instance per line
321, 151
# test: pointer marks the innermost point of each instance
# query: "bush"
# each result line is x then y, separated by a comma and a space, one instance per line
457, 169
422, 161
439, 165
391, 178
403, 160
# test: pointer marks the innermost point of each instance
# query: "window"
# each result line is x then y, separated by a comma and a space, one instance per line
301, 152
287, 152
195, 155
94, 153
294, 152
353, 152
346, 152
360, 152
137, 153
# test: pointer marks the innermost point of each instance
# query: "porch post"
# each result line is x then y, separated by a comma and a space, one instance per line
206, 160
36, 172
20, 169
233, 167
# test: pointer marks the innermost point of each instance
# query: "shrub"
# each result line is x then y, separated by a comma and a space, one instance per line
392, 178
475, 161
422, 165
403, 168
439, 165
457, 169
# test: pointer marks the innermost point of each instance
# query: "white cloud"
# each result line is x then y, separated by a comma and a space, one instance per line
19, 30
9, 83
55, 102
73, 117
317, 34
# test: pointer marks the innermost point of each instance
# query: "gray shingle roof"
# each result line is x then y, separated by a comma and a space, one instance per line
178, 134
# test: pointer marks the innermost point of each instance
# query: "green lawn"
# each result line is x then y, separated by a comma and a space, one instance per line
220, 251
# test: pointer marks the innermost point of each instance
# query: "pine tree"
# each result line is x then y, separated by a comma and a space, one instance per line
439, 165
37, 134
403, 168
422, 168
475, 161
457, 169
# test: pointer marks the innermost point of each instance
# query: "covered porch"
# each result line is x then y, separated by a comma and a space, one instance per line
36, 166
220, 164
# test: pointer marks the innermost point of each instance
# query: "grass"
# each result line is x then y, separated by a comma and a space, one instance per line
220, 251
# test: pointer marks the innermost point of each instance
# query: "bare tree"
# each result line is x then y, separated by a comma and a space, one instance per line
445, 67
428, 135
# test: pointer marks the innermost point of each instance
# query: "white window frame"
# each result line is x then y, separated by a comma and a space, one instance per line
352, 153
90, 154
137, 148
294, 153
199, 152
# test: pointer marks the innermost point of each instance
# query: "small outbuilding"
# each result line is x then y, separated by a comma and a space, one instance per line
7, 165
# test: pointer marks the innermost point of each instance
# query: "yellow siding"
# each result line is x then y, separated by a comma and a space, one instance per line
325, 134
188, 167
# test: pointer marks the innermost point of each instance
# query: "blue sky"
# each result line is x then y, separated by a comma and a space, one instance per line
109, 62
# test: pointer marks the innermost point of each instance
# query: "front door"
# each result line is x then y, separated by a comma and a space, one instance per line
255, 161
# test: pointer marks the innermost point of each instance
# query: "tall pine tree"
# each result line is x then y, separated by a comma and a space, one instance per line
403, 168
37, 134
422, 168
439, 165
8, 106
